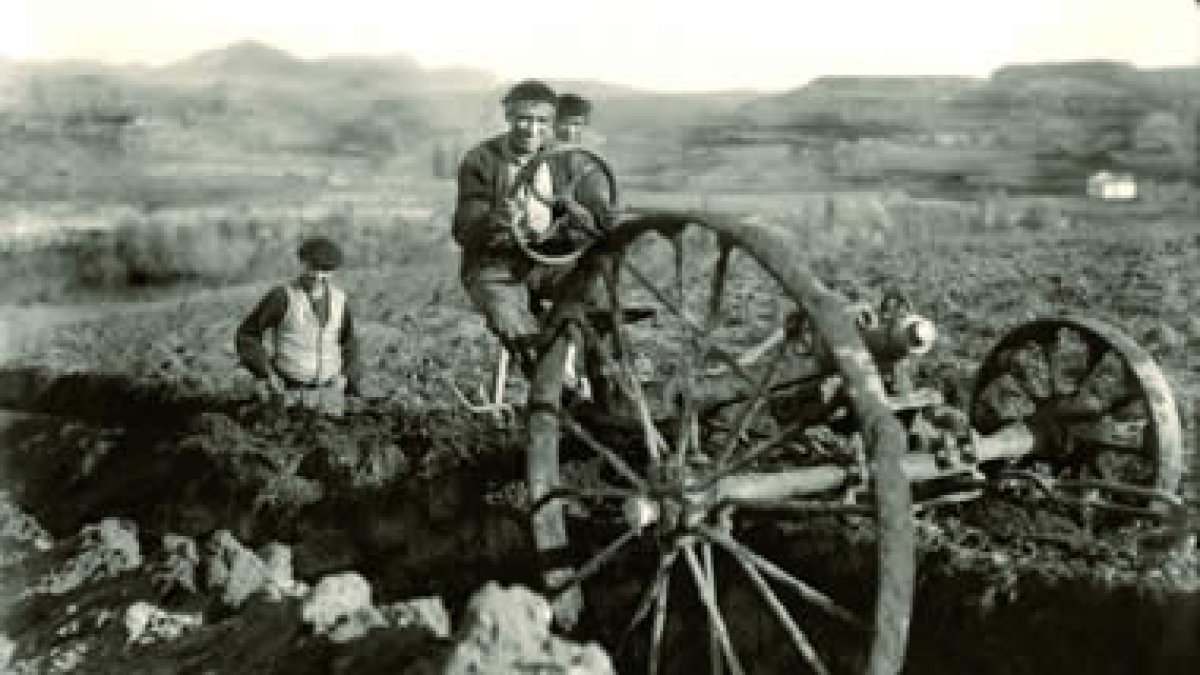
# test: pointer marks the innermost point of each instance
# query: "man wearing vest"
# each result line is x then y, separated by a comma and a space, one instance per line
503, 283
312, 361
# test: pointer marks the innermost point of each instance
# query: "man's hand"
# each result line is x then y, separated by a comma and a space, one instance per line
508, 212
270, 387
503, 218
578, 215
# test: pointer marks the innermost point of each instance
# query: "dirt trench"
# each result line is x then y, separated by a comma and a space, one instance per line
431, 503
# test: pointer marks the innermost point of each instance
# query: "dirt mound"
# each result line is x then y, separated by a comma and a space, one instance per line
91, 605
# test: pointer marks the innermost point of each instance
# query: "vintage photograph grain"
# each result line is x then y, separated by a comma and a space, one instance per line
635, 337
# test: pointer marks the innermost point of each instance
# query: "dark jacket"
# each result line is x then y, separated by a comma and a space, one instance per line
483, 183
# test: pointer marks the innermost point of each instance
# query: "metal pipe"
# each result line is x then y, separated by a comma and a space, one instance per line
1014, 440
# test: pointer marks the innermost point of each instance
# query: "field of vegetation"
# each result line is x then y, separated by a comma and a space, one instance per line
140, 379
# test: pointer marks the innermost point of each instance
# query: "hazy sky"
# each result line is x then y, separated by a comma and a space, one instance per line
659, 44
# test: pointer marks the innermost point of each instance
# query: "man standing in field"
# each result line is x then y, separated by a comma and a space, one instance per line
313, 360
503, 283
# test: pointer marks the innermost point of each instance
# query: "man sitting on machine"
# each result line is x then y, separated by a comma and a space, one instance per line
515, 195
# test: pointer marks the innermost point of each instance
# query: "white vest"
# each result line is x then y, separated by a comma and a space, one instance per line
306, 351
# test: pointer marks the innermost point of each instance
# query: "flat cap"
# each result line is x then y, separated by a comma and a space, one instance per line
320, 253
573, 105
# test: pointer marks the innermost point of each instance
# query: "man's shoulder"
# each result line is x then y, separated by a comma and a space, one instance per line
278, 295
486, 150
278, 291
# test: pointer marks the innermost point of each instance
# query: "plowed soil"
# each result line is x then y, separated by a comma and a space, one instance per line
147, 417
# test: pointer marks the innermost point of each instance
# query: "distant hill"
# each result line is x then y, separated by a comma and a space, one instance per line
845, 105
1038, 125
1078, 88
253, 100
240, 60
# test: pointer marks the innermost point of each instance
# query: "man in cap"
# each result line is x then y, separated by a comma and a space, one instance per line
502, 281
313, 359
573, 113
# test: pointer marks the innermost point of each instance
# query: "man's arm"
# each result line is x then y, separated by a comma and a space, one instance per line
595, 193
591, 203
351, 366
476, 221
249, 341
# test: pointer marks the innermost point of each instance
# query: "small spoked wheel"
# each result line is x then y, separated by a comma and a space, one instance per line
1099, 407
717, 486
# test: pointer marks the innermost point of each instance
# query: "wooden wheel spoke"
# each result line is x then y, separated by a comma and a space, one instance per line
631, 387
782, 390
758, 450
1050, 354
709, 600
1107, 401
1110, 435
1024, 377
689, 324
604, 451
1095, 358
799, 639
716, 296
598, 561
752, 408
655, 593
710, 576
688, 356
805, 591
612, 285
1128, 394
990, 403
569, 492
660, 618
716, 293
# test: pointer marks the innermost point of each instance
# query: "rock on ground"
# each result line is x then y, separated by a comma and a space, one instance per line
427, 613
232, 569
102, 551
507, 630
340, 608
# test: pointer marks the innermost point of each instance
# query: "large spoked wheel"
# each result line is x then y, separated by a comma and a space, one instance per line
1100, 408
711, 464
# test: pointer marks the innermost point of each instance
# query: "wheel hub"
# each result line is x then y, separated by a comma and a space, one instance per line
676, 501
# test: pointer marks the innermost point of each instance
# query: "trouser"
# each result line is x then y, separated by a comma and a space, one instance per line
326, 399
511, 297
512, 294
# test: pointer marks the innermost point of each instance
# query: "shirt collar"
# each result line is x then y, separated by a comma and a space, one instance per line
509, 155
